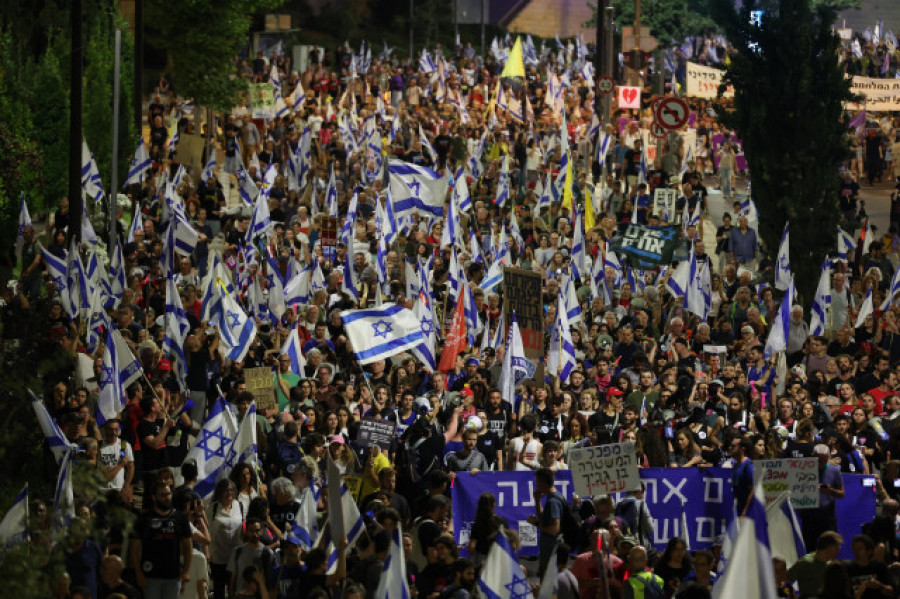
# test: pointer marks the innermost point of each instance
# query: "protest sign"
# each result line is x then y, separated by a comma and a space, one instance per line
702, 494
262, 100
376, 432
190, 150
328, 237
629, 97
604, 469
703, 82
645, 246
521, 292
800, 476
261, 384
664, 202
877, 94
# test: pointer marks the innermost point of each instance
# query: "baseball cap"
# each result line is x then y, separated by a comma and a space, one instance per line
614, 391
474, 361
339, 439
164, 365
292, 539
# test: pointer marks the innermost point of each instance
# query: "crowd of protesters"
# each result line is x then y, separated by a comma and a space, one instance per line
689, 393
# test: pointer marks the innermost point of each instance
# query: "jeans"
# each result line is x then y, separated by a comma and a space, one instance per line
725, 175
162, 588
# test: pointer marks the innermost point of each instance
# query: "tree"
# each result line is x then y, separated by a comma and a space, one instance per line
669, 20
788, 110
201, 41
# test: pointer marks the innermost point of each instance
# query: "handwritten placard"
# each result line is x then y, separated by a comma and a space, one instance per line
604, 469
520, 288
800, 476
376, 432
703, 82
260, 384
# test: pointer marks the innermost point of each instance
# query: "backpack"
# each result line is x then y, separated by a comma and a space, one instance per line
418, 555
573, 533
652, 589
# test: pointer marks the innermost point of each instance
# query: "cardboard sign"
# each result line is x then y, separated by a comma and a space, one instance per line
376, 432
629, 97
328, 237
521, 294
703, 82
604, 469
189, 152
878, 94
800, 476
262, 100
261, 384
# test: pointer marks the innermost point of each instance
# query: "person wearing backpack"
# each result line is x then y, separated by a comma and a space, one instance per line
636, 517
640, 581
548, 517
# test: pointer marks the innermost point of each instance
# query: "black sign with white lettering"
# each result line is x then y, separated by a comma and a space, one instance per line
646, 247
376, 432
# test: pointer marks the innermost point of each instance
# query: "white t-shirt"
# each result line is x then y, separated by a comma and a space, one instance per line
109, 457
198, 572
531, 452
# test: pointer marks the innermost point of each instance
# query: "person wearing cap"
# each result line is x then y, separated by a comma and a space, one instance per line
287, 576
609, 416
472, 365
815, 521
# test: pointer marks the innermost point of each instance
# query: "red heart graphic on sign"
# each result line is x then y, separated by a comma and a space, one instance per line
629, 95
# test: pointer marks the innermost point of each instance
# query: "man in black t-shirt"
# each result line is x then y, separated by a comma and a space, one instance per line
161, 548
499, 415
867, 573
152, 431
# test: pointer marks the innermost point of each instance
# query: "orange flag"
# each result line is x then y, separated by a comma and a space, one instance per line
455, 342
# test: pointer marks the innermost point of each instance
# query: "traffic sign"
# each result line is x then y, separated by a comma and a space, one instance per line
671, 113
657, 131
605, 85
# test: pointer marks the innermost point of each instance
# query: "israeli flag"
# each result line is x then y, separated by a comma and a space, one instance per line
379, 333
212, 448
120, 369
822, 301
785, 534
778, 335
452, 232
56, 268
425, 351
393, 583
749, 571
503, 183
77, 283
292, 349
63, 498
426, 64
579, 258
331, 201
846, 244
344, 519
24, 221
140, 165
209, 171
423, 139
783, 264
866, 309
136, 225
14, 526
516, 367
349, 229
177, 328
305, 526
348, 280
90, 174
236, 329
244, 449
261, 222
87, 229
502, 577
561, 357
550, 581
573, 308
416, 189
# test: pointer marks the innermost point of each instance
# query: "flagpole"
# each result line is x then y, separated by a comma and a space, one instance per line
114, 180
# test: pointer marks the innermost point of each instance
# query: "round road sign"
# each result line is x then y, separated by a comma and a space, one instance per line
657, 131
605, 85
671, 113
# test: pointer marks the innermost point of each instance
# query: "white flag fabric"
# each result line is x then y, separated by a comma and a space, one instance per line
781, 325
382, 332
305, 526
561, 354
57, 441
212, 448
785, 534
502, 577
416, 189
393, 584
818, 322
236, 329
91, 184
783, 263
210, 169
550, 581
866, 309
140, 165
120, 369
245, 449
293, 349
749, 573
63, 498
24, 221
14, 526
426, 349
261, 223
344, 519
177, 328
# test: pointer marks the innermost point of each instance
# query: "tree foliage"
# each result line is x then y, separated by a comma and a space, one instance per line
201, 40
668, 20
788, 109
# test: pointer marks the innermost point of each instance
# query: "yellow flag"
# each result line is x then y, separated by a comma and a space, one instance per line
567, 185
589, 210
515, 66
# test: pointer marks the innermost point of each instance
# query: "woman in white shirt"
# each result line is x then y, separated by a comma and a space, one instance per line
247, 485
524, 450
225, 517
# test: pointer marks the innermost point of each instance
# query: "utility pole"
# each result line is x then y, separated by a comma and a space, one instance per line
137, 93
411, 51
76, 66
636, 54
114, 179
608, 68
483, 19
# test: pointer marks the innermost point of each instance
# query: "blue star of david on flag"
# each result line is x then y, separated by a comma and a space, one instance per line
233, 319
381, 328
427, 326
106, 376
518, 588
208, 451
